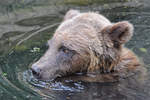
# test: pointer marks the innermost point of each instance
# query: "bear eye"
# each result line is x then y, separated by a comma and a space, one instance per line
66, 50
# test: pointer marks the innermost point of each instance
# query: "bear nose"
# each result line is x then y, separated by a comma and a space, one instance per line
36, 71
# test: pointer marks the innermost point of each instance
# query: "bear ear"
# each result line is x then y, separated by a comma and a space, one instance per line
71, 13
120, 32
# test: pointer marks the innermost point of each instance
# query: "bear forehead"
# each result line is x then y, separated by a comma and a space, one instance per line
78, 33
91, 19
79, 37
82, 31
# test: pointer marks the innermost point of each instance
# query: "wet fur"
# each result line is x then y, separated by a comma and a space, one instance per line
97, 46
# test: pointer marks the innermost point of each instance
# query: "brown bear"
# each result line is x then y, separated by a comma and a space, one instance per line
88, 43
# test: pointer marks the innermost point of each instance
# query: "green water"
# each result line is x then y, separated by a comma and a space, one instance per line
25, 27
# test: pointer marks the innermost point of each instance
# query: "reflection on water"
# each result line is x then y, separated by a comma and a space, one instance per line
26, 25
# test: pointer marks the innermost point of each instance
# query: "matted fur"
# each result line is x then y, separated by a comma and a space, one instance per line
88, 43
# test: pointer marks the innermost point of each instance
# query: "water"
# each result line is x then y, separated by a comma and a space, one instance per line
26, 25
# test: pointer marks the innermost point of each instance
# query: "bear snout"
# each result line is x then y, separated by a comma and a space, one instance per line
36, 71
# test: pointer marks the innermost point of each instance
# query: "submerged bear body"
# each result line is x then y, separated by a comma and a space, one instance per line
88, 43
